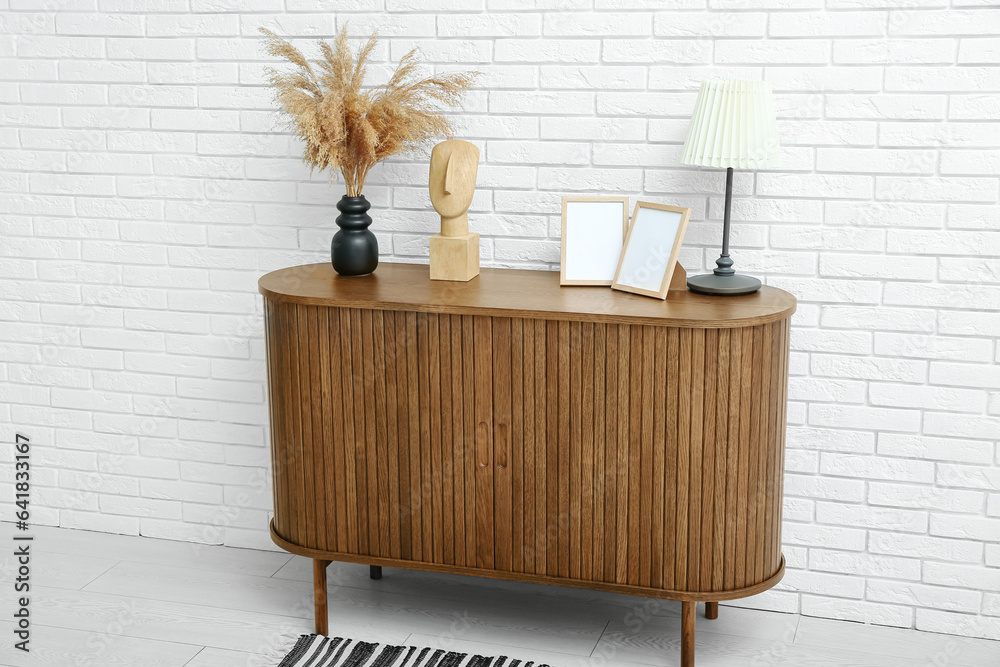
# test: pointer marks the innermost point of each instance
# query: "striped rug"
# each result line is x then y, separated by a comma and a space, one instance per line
319, 651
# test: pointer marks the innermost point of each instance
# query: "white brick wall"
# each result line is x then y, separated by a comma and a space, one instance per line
144, 189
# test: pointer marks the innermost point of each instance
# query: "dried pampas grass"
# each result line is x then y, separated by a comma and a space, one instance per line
352, 130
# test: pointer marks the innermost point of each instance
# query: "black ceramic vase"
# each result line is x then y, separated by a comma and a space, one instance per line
354, 249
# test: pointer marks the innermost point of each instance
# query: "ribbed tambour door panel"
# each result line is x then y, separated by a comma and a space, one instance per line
628, 454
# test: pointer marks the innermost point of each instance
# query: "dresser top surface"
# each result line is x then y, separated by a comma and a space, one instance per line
517, 293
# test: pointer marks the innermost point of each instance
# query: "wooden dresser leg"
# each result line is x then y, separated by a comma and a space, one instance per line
689, 611
711, 610
319, 595
375, 571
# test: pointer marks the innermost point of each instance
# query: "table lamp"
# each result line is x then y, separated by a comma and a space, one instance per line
733, 125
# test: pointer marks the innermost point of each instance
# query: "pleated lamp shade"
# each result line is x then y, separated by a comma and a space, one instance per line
733, 125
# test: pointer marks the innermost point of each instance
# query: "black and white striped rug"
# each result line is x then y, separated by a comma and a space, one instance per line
319, 651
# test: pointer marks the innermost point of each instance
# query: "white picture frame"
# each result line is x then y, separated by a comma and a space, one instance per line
593, 235
652, 244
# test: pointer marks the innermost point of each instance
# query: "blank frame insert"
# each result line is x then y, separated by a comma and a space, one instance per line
593, 234
651, 248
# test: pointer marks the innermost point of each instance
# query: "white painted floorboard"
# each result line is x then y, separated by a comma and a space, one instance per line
103, 600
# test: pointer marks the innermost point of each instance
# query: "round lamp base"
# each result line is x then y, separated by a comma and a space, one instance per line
734, 285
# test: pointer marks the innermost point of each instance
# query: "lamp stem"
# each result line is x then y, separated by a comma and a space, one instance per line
724, 265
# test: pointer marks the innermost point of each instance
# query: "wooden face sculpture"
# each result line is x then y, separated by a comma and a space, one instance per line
454, 253
454, 164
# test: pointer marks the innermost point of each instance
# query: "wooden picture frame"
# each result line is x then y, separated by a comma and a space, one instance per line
651, 247
590, 243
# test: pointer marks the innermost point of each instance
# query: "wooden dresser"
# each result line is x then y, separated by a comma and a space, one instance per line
509, 427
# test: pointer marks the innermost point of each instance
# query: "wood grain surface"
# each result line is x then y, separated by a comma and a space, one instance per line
517, 293
623, 456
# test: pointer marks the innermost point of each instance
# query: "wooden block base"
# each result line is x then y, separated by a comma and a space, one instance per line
455, 257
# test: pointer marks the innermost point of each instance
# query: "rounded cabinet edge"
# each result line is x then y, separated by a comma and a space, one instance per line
510, 575
787, 307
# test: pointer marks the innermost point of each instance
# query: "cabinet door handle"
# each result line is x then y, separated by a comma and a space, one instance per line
502, 445
483, 444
